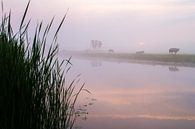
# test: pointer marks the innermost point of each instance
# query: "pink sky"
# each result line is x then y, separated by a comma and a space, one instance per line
119, 24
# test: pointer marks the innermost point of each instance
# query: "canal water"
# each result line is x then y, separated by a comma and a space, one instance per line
135, 96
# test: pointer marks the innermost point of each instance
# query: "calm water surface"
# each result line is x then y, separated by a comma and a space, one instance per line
136, 96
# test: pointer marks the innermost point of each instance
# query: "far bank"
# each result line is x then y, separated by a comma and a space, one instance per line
187, 60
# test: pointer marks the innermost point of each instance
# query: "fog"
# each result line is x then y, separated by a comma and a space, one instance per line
122, 90
123, 25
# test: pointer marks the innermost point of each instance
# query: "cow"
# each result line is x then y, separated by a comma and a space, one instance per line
173, 50
140, 52
111, 50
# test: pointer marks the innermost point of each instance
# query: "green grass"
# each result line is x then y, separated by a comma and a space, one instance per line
179, 58
33, 94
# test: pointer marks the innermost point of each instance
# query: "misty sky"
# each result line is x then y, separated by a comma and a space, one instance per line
123, 25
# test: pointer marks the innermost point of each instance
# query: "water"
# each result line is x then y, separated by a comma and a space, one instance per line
136, 96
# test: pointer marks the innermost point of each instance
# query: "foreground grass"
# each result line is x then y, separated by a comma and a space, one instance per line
33, 94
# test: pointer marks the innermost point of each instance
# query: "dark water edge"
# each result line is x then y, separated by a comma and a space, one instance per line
133, 61
186, 61
136, 123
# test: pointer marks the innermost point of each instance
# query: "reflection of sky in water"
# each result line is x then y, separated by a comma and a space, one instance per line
133, 94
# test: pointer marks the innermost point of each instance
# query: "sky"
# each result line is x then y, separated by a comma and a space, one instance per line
123, 25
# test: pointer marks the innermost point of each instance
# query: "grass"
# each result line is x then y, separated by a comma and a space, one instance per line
179, 58
33, 94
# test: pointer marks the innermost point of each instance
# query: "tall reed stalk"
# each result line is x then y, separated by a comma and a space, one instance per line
33, 94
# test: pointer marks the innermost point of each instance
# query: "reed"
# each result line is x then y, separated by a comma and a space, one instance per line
33, 92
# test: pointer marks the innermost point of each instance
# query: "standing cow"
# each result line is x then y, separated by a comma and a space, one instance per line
139, 52
173, 50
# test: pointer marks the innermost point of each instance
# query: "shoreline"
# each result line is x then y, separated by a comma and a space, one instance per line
149, 59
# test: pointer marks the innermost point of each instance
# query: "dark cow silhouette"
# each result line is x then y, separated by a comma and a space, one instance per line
111, 50
173, 50
140, 52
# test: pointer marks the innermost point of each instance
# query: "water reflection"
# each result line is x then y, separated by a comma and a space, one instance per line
83, 107
173, 68
96, 63
138, 96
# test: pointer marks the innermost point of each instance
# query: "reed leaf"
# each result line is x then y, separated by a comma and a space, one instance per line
33, 92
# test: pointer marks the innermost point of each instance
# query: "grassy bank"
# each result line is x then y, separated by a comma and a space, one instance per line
164, 58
